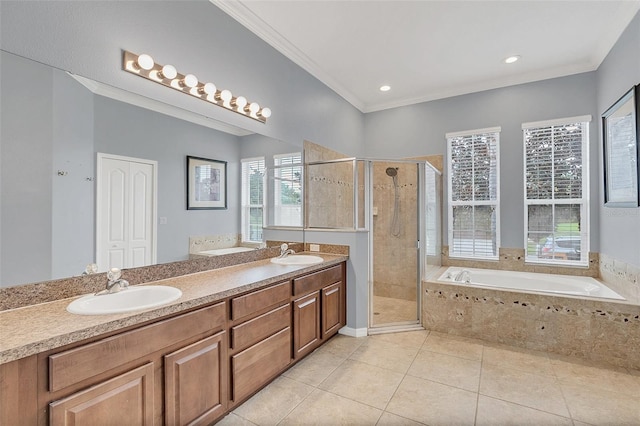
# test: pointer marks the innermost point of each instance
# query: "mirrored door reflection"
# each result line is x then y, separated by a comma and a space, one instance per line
395, 229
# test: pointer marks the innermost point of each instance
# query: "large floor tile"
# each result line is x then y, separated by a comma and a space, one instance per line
447, 369
601, 407
589, 374
532, 390
232, 419
323, 408
433, 403
453, 345
274, 402
342, 346
411, 339
315, 368
388, 419
364, 383
385, 355
495, 412
518, 359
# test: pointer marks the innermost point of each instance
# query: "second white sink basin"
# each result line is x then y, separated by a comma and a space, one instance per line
132, 299
298, 259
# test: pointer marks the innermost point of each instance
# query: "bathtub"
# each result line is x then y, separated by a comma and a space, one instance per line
228, 250
570, 285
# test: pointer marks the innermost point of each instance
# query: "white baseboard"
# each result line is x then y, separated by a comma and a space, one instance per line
353, 332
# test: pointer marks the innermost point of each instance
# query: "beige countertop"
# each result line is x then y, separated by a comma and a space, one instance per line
37, 328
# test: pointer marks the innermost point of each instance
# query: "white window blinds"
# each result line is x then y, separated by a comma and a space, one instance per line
473, 207
287, 189
556, 190
253, 198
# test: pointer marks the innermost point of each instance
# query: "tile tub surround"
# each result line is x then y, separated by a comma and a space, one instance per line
512, 259
37, 328
47, 291
621, 277
597, 330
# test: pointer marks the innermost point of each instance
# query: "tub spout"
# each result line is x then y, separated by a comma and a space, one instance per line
463, 276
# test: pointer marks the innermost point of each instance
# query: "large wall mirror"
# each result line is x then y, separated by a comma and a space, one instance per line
53, 125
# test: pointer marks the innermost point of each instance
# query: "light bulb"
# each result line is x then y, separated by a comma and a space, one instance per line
385, 88
145, 62
240, 102
190, 80
511, 59
208, 89
254, 107
266, 112
169, 72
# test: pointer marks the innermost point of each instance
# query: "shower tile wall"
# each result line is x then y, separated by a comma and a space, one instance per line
329, 189
395, 257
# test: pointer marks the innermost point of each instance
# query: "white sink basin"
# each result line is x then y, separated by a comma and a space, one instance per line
131, 299
298, 259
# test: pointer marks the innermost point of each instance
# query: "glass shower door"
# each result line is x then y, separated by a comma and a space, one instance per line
395, 227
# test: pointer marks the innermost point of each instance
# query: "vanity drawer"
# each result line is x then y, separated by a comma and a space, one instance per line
257, 301
317, 280
84, 362
252, 331
258, 364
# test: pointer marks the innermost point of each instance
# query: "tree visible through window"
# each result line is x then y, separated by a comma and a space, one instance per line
556, 190
473, 193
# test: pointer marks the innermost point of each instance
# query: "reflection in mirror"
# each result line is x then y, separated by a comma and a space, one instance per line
52, 129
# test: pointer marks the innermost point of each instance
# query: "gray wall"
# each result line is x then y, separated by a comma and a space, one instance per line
87, 38
26, 171
131, 131
619, 228
420, 130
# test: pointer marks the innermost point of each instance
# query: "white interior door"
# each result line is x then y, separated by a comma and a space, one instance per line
125, 212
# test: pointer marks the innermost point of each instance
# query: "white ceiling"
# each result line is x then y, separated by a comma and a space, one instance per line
428, 50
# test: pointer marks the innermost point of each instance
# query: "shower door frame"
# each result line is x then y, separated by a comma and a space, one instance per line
420, 237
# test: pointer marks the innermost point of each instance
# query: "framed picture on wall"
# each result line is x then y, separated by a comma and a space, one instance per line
620, 134
206, 184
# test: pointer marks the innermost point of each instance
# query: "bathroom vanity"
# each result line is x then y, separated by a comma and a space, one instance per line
195, 361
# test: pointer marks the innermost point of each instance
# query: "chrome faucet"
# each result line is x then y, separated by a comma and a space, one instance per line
463, 276
285, 251
114, 283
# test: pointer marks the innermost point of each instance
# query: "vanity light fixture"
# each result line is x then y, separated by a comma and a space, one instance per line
167, 75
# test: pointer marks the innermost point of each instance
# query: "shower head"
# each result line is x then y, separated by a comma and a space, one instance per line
392, 171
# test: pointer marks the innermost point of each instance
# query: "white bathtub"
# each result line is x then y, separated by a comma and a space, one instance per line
228, 250
528, 281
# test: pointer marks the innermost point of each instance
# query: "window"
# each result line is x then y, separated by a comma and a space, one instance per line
253, 197
556, 190
473, 206
287, 191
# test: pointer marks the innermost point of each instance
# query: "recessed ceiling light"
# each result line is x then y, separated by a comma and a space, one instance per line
385, 88
511, 59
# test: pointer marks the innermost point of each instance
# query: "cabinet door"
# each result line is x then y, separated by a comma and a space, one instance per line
196, 382
124, 400
333, 310
306, 324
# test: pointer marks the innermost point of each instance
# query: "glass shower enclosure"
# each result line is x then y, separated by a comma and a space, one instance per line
398, 203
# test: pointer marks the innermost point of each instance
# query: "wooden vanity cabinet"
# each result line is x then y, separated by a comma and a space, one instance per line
260, 339
170, 372
319, 308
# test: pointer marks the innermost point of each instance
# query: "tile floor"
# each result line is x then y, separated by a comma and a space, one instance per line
428, 378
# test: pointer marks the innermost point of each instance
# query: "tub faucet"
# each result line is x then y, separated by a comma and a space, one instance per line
285, 251
114, 283
463, 276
